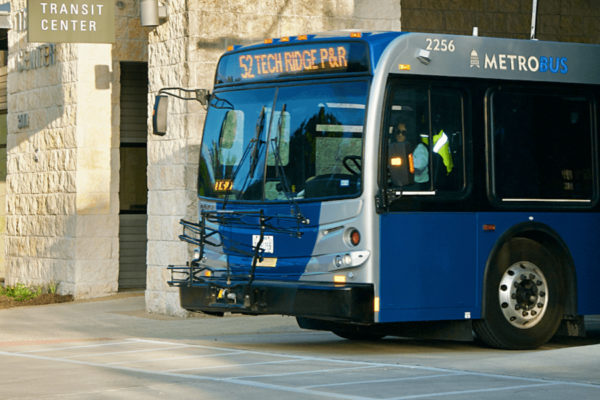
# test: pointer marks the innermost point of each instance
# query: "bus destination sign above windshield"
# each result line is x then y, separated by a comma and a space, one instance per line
293, 60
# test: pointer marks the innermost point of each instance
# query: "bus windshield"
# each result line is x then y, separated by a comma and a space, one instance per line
281, 143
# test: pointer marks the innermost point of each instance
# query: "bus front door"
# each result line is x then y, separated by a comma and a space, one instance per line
427, 268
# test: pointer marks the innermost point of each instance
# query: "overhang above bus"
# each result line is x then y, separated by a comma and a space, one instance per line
492, 58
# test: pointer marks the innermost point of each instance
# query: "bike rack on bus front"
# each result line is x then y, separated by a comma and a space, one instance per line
210, 231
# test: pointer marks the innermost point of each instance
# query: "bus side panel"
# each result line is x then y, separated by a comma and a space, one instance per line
583, 240
427, 267
579, 231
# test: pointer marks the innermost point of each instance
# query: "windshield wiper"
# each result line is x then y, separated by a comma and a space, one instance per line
281, 171
276, 148
251, 148
260, 125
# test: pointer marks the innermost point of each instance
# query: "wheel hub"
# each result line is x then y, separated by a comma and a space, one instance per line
523, 294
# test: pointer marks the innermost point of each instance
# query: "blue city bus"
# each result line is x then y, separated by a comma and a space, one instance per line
392, 183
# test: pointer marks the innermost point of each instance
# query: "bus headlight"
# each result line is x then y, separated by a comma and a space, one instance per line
347, 259
338, 261
351, 259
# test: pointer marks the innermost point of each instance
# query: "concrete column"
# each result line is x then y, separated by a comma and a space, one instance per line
97, 198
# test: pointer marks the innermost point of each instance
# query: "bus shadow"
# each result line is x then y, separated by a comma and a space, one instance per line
329, 343
592, 334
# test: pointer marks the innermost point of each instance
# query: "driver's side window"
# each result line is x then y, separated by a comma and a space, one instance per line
424, 139
407, 136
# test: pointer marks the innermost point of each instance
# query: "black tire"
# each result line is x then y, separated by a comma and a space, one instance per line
524, 297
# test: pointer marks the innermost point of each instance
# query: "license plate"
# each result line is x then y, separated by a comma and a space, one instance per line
266, 245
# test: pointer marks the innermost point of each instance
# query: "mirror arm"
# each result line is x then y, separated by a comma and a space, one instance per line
200, 95
159, 116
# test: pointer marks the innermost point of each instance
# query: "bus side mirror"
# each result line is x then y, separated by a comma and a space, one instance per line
159, 116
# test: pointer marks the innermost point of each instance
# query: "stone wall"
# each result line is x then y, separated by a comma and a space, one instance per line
41, 161
63, 164
557, 20
183, 52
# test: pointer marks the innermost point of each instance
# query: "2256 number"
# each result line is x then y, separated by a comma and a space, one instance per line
440, 45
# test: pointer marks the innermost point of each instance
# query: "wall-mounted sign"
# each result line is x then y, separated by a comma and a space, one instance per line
41, 56
23, 120
71, 21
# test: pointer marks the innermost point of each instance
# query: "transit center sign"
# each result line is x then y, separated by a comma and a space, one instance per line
71, 21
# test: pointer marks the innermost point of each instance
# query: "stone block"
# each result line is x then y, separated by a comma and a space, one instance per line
380, 10
158, 276
94, 158
97, 248
95, 183
16, 246
163, 228
90, 290
579, 7
165, 151
258, 27
166, 177
93, 203
548, 7
161, 302
459, 21
163, 253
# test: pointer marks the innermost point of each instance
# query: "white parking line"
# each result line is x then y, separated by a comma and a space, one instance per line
473, 391
109, 353
231, 353
87, 346
280, 358
259, 385
312, 371
232, 366
406, 378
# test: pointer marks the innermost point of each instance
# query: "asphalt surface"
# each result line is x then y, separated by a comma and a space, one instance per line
112, 349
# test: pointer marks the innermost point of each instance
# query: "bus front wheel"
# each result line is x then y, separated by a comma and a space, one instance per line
524, 297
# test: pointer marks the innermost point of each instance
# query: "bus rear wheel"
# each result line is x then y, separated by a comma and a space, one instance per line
524, 297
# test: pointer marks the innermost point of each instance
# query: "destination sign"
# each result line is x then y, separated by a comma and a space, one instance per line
303, 59
223, 185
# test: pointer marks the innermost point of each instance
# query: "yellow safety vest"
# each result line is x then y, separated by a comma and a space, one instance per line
441, 147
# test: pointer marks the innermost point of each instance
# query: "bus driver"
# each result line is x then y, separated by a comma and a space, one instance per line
420, 153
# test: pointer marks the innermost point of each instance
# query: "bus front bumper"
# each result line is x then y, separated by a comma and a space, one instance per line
336, 302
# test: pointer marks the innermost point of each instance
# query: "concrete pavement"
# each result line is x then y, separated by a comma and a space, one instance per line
119, 316
115, 349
